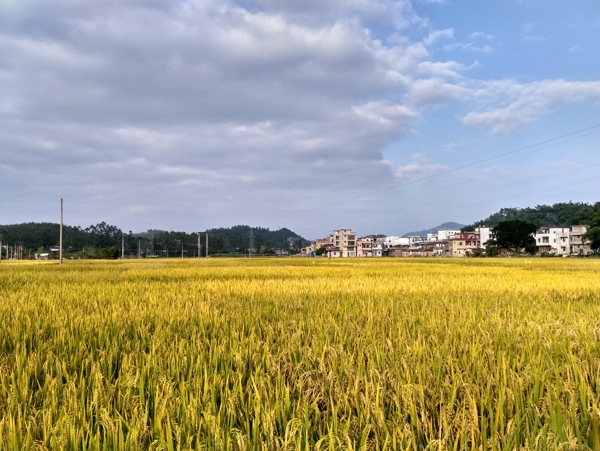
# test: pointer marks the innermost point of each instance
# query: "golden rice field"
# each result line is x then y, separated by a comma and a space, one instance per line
299, 354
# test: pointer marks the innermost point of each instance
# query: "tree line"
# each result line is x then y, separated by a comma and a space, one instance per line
513, 227
106, 241
559, 214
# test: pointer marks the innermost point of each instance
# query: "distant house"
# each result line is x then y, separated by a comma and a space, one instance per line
377, 247
579, 246
444, 234
485, 234
399, 251
465, 244
441, 248
364, 246
332, 251
314, 246
345, 240
553, 240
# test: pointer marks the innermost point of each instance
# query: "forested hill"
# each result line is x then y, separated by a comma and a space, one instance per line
45, 236
239, 236
236, 238
566, 213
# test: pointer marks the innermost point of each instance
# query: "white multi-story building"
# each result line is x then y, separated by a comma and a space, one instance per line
445, 234
345, 240
579, 246
377, 248
553, 240
390, 241
414, 239
485, 234
364, 246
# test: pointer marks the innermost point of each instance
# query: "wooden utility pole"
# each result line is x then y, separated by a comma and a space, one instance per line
206, 244
60, 241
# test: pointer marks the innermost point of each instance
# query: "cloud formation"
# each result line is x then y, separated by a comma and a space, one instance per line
157, 107
513, 105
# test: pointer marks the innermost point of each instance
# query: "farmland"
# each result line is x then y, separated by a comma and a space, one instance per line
274, 354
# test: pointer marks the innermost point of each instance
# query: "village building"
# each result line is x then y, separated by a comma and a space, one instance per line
364, 246
332, 251
579, 246
444, 234
377, 247
465, 244
485, 234
345, 240
553, 240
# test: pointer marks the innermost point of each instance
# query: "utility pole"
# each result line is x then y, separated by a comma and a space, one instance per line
206, 244
122, 245
199, 246
60, 241
139, 249
0, 250
251, 243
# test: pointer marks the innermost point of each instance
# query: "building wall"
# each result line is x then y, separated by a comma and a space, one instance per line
345, 239
465, 244
556, 239
444, 234
579, 246
485, 234
364, 247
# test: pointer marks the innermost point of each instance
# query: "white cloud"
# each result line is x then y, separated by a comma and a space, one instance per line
447, 69
420, 168
510, 105
469, 47
433, 91
437, 35
480, 35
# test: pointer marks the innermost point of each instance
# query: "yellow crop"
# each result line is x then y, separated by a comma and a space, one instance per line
301, 354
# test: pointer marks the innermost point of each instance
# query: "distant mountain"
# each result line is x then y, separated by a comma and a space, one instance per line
445, 225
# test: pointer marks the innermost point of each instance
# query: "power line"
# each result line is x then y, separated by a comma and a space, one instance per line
505, 187
592, 129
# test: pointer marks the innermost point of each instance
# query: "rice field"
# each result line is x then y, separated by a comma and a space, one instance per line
301, 354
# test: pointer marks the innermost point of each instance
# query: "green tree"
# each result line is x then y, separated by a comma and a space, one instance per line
109, 253
593, 233
514, 234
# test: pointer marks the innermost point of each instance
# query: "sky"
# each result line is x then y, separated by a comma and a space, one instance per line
384, 116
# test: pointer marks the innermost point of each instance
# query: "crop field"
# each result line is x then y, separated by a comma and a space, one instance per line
293, 354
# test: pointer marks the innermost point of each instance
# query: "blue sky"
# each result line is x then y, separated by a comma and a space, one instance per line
383, 116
